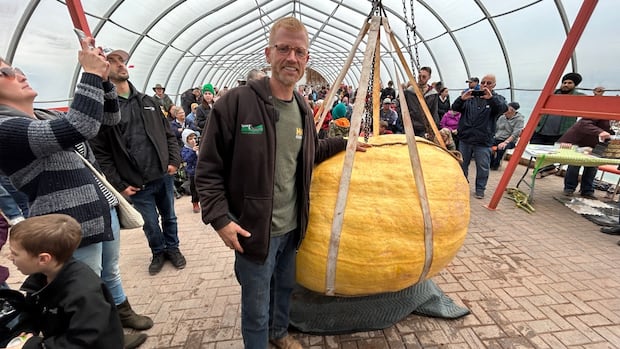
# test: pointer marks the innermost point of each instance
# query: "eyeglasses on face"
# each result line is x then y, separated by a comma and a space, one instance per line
10, 72
487, 82
285, 50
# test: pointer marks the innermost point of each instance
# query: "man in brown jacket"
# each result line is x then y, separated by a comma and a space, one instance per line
253, 178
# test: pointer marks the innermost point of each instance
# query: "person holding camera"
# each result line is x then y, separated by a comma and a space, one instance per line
479, 110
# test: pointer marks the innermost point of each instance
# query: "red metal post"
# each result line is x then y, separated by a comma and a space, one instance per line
76, 11
560, 64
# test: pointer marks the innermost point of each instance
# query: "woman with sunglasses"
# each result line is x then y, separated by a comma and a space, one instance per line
39, 153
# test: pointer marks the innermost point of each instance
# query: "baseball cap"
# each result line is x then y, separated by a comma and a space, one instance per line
123, 54
387, 101
472, 79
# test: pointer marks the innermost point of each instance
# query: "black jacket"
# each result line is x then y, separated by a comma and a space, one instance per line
236, 164
75, 310
478, 118
111, 151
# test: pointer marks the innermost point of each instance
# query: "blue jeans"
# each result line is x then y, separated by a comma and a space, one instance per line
102, 258
482, 156
266, 292
496, 159
571, 179
158, 195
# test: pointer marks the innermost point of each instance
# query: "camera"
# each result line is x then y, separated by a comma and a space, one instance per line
478, 93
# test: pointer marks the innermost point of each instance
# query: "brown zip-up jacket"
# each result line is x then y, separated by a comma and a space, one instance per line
236, 164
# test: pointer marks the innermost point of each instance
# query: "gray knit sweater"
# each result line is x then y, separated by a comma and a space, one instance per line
38, 156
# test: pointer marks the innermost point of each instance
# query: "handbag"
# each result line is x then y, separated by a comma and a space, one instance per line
128, 216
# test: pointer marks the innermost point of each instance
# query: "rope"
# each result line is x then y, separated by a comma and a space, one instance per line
520, 198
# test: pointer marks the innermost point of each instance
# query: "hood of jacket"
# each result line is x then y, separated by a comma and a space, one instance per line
186, 134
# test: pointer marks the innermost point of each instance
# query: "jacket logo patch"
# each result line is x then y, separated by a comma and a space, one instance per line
250, 129
299, 133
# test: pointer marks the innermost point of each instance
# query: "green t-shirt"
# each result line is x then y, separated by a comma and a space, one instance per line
289, 136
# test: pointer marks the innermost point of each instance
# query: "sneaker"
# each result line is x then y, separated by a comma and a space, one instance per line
157, 263
286, 342
176, 258
589, 196
479, 195
568, 192
196, 208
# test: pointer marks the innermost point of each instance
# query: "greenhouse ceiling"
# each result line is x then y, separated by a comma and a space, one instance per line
186, 43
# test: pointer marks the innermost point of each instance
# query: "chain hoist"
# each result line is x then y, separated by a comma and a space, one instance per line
409, 28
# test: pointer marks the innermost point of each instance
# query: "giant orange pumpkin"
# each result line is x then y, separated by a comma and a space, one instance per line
382, 239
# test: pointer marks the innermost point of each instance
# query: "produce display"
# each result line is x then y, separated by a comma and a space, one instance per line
382, 239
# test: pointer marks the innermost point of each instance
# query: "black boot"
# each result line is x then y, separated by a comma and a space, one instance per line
615, 230
130, 319
134, 340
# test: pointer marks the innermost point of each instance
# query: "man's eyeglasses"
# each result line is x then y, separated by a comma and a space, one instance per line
486, 83
285, 50
10, 72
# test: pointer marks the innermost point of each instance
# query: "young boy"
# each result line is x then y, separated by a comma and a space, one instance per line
189, 153
68, 302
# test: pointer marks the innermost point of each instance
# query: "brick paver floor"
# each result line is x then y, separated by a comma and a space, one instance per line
544, 280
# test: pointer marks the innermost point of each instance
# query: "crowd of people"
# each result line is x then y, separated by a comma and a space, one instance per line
63, 222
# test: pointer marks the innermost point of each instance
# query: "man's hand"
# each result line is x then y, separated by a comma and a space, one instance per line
172, 170
129, 191
92, 59
228, 234
362, 146
604, 135
467, 95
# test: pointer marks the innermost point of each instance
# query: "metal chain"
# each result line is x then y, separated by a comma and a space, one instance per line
415, 36
368, 107
406, 17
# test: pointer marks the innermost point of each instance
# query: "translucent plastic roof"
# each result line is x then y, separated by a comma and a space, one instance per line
186, 43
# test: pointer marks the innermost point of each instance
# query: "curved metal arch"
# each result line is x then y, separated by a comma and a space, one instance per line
186, 27
19, 30
566, 24
228, 32
502, 45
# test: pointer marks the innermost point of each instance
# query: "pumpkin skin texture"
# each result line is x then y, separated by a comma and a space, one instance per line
382, 240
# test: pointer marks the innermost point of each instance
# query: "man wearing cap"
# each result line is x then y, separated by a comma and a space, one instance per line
163, 98
473, 83
551, 127
388, 114
139, 155
508, 130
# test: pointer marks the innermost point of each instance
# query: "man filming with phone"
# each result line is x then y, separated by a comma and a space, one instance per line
480, 110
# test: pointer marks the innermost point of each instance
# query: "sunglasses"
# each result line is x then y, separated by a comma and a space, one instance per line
285, 50
10, 72
486, 83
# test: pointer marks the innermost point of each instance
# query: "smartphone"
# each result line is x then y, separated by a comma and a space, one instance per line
81, 36
478, 93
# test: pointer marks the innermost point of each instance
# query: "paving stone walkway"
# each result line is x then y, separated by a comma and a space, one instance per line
542, 280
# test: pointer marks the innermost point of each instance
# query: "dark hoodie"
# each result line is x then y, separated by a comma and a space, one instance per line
236, 164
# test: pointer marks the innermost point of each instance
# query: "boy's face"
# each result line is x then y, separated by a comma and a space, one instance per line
24, 261
191, 139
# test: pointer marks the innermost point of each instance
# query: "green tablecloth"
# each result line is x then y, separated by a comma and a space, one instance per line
571, 157
546, 155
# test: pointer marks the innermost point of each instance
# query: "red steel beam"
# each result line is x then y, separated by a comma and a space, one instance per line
76, 11
585, 12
